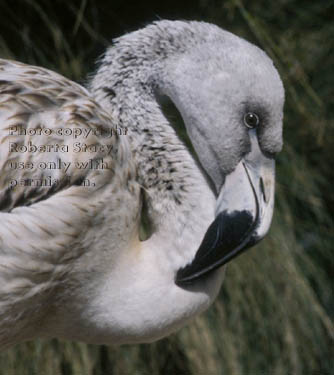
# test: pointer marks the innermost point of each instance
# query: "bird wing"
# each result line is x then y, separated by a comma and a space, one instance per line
50, 129
46, 192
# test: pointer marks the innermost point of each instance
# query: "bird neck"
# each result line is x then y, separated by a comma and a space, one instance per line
174, 185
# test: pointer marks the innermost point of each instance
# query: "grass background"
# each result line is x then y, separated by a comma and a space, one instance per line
274, 313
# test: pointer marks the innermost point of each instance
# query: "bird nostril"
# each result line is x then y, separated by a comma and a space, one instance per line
263, 190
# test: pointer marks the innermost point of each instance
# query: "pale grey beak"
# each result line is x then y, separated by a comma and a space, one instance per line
243, 214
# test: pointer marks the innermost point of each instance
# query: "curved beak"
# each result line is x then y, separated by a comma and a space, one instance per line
243, 215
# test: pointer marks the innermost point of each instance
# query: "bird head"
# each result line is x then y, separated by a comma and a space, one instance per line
231, 98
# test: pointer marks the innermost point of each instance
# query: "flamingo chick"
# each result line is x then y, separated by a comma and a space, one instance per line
111, 231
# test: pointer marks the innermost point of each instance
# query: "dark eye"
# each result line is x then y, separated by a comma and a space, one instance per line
251, 120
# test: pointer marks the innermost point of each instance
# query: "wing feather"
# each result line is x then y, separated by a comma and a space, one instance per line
44, 226
50, 128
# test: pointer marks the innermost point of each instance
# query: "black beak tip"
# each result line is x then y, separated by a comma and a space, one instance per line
227, 237
179, 281
183, 278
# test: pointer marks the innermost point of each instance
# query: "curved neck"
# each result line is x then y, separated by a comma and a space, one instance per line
125, 84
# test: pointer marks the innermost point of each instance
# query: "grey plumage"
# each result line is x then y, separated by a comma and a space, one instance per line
82, 271
211, 75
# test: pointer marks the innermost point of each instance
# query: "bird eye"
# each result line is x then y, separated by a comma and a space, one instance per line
251, 120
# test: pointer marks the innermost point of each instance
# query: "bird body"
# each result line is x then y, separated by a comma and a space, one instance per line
97, 224
51, 232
